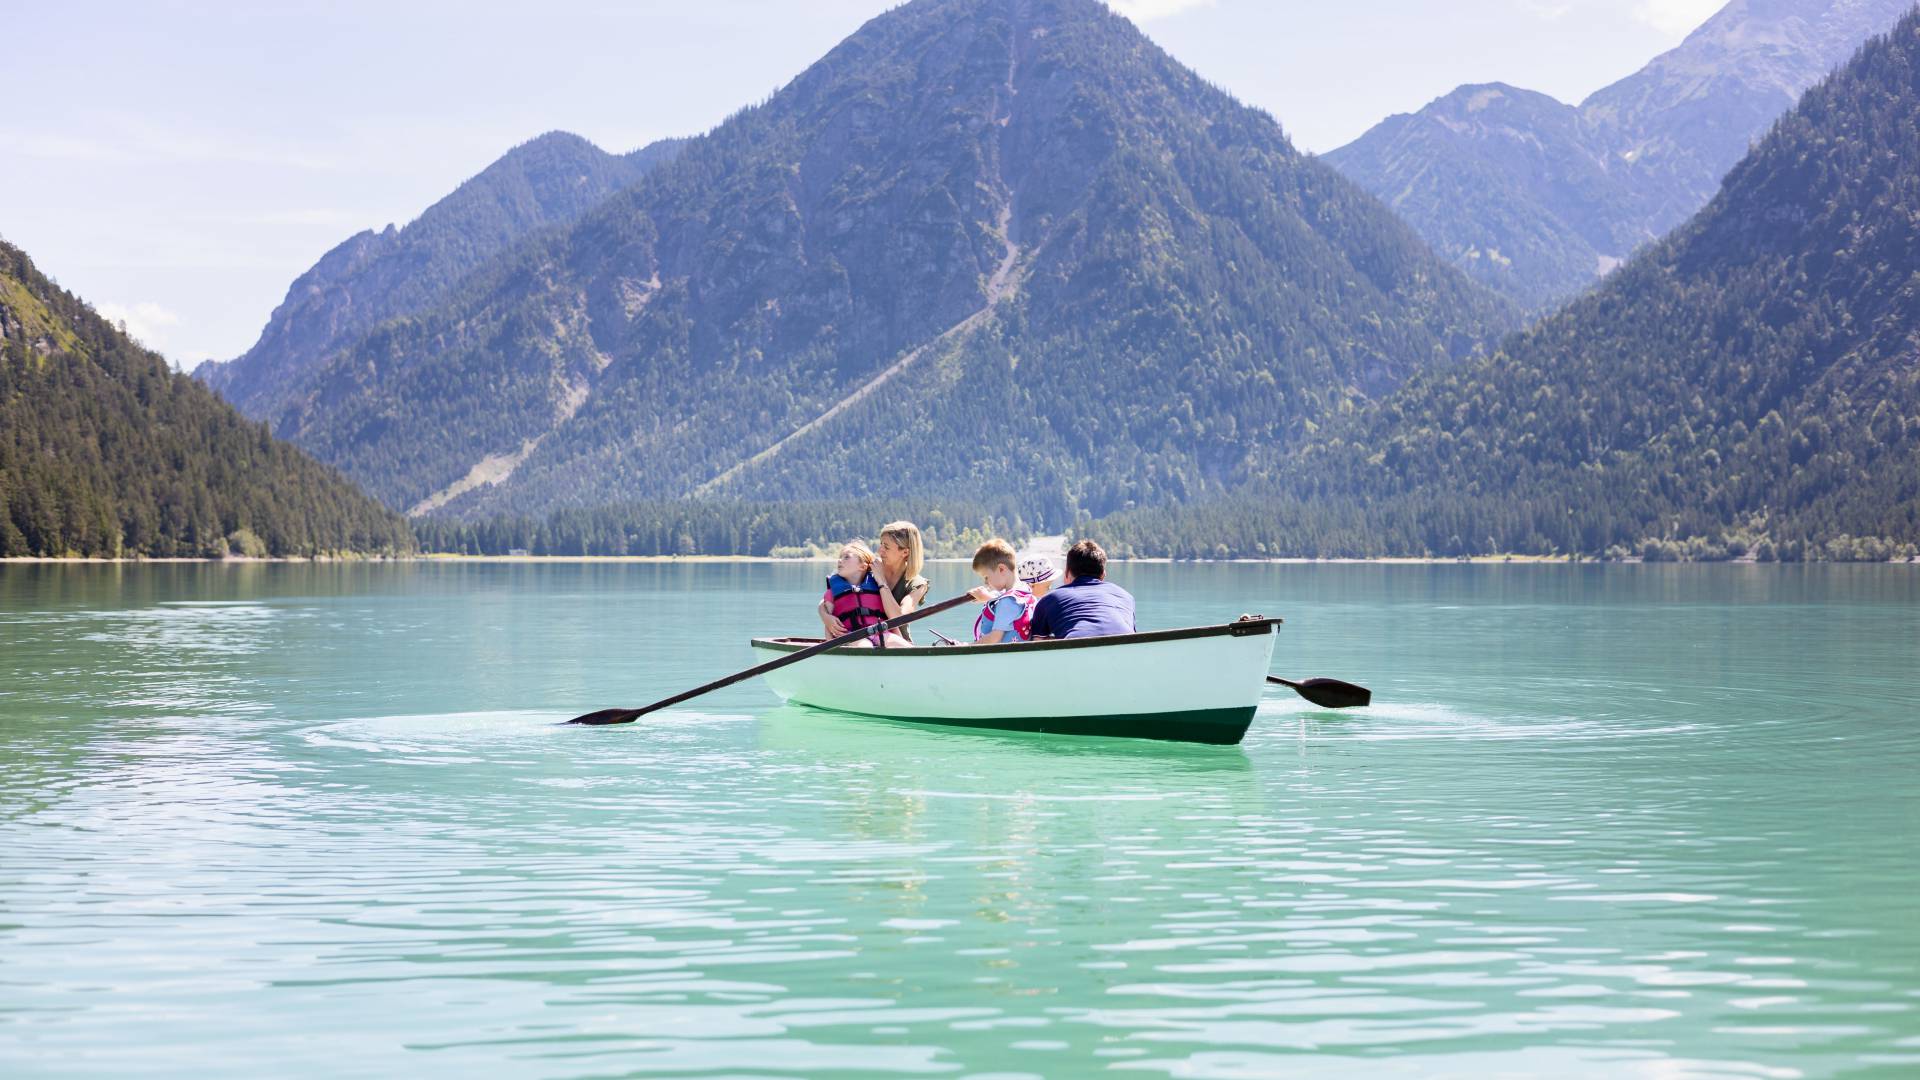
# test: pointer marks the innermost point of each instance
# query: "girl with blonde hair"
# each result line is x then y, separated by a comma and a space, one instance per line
852, 600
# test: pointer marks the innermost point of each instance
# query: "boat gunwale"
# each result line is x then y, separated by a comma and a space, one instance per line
1244, 628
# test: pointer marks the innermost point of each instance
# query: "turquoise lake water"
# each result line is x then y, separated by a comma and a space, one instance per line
318, 820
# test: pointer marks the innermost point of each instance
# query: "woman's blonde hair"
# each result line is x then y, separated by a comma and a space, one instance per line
860, 551
907, 535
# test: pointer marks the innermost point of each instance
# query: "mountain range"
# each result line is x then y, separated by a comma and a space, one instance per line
1749, 385
105, 450
1537, 198
982, 245
372, 277
1007, 255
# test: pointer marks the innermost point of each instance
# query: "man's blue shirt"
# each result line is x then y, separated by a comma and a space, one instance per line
1084, 607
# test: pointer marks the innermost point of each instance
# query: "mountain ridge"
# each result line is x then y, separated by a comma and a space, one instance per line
1747, 387
1541, 208
105, 450
960, 190
377, 275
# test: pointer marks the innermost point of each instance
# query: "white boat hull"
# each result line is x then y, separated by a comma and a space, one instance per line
1198, 685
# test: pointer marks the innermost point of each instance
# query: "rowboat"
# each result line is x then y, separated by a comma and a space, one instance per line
1199, 684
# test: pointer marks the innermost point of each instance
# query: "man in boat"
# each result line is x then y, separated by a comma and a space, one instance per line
1088, 605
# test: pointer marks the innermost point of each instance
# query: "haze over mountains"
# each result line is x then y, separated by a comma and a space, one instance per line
982, 245
1537, 198
1749, 385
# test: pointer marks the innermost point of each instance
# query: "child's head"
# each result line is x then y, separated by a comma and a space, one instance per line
1037, 575
994, 562
855, 560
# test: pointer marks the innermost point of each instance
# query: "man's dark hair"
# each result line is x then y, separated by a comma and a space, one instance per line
1086, 560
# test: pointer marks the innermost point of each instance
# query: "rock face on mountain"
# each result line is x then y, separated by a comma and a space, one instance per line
1512, 185
1538, 198
375, 276
105, 450
1748, 385
982, 245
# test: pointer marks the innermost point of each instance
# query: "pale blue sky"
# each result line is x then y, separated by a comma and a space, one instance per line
179, 163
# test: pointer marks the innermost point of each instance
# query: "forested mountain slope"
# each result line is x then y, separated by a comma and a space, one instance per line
106, 450
1755, 376
1538, 198
375, 276
981, 246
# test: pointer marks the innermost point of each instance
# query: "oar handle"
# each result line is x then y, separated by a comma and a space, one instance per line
627, 716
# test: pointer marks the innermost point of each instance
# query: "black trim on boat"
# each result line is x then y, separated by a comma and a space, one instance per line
1243, 628
1211, 727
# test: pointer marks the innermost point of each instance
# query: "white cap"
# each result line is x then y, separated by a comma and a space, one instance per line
1035, 571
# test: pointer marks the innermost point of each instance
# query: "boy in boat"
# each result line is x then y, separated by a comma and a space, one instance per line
852, 600
1009, 604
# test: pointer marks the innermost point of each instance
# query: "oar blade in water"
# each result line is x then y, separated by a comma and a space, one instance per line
608, 716
1328, 693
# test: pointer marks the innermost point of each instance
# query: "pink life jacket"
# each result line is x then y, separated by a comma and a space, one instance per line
856, 606
1021, 626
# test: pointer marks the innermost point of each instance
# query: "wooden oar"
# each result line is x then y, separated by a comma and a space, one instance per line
628, 716
1328, 693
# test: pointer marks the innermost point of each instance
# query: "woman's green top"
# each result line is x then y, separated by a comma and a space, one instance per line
905, 587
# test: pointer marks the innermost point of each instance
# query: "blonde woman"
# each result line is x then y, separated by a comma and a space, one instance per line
897, 568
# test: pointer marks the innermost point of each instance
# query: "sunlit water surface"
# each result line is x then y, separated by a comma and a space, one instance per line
285, 820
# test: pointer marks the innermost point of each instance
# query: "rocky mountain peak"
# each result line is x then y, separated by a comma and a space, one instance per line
1564, 193
373, 277
959, 191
